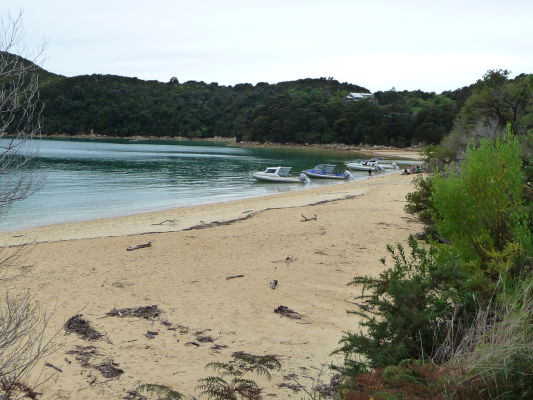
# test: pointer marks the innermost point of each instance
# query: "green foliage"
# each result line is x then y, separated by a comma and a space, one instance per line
231, 383
161, 391
302, 111
499, 98
405, 314
398, 375
419, 201
495, 101
480, 207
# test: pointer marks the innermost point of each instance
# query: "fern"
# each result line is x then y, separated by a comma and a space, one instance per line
161, 391
230, 382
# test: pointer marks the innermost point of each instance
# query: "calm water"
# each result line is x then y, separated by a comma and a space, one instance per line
94, 179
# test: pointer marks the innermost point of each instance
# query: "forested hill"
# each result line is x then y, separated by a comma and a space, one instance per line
301, 111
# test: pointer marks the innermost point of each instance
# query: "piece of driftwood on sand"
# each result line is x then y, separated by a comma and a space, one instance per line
234, 276
287, 312
305, 219
139, 246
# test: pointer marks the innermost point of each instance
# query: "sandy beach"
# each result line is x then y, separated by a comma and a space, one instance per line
312, 242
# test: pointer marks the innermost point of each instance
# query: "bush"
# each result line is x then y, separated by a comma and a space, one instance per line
480, 207
419, 202
406, 312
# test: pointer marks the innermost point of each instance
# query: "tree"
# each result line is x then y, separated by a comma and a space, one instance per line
23, 340
20, 112
496, 97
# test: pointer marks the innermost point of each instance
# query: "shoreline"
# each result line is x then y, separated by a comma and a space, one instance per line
169, 209
313, 242
175, 216
373, 151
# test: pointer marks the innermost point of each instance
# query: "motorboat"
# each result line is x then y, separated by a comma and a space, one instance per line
374, 164
279, 174
387, 164
326, 171
364, 166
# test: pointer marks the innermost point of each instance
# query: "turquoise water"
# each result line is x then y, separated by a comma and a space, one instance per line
88, 179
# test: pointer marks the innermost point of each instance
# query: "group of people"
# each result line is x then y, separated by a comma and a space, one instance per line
412, 170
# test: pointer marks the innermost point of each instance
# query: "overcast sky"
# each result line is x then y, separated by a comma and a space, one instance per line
418, 44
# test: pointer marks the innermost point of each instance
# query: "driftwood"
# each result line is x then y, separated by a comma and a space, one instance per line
234, 276
218, 347
305, 219
139, 246
170, 222
53, 366
287, 312
146, 312
352, 302
151, 334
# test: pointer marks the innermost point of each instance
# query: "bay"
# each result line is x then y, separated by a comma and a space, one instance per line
89, 179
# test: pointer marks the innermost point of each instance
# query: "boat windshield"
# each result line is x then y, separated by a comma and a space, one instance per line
271, 170
284, 171
326, 168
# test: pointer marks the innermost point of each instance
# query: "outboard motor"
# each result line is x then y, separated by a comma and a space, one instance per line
304, 178
347, 175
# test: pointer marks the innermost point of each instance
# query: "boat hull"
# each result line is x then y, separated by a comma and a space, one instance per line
325, 176
260, 176
361, 167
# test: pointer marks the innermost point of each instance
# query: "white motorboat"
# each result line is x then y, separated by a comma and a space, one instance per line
279, 174
363, 166
326, 171
370, 165
383, 162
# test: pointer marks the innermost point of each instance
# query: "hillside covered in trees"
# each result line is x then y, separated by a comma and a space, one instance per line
302, 111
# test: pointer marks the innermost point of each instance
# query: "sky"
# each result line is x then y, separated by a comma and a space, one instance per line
431, 45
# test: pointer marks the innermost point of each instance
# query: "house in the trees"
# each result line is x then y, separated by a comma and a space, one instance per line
359, 96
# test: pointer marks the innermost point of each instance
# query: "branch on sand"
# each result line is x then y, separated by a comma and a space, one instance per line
139, 246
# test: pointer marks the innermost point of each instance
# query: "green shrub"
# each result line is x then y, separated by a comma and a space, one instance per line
419, 201
396, 375
407, 309
480, 207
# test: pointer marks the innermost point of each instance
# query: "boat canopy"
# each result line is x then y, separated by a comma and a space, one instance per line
281, 171
284, 171
327, 168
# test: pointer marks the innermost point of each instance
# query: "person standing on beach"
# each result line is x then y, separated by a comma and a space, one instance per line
370, 173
